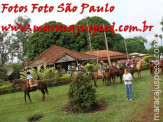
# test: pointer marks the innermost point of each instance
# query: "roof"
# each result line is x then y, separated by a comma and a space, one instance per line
102, 54
138, 54
54, 53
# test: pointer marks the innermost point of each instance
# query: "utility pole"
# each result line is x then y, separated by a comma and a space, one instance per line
126, 49
106, 42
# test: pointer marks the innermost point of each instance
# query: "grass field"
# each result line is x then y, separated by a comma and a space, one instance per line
13, 108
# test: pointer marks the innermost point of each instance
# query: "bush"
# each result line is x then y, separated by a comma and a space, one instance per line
145, 66
66, 78
82, 94
148, 58
8, 89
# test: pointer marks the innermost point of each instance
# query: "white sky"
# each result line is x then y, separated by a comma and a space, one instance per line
127, 12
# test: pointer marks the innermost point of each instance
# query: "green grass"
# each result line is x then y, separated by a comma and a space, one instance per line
13, 108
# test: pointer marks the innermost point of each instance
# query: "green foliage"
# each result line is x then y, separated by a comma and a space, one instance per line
82, 94
148, 58
89, 67
39, 41
151, 50
3, 73
16, 73
66, 78
8, 89
49, 75
133, 45
145, 66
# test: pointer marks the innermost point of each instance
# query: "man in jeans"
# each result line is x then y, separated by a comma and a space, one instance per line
127, 78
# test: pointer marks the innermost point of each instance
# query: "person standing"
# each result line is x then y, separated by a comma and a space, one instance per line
101, 66
127, 78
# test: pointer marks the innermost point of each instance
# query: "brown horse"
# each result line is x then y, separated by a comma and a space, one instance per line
113, 71
105, 79
121, 72
151, 68
41, 86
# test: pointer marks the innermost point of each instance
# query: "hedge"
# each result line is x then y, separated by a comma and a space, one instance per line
8, 89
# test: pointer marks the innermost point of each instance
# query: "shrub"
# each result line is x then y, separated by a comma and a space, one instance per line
66, 78
147, 58
145, 66
8, 89
82, 94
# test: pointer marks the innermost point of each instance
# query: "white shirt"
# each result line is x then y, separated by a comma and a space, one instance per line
29, 77
127, 77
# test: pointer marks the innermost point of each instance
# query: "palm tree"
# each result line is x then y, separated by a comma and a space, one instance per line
160, 36
143, 39
153, 43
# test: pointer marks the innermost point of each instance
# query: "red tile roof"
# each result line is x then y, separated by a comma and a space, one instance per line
55, 52
102, 54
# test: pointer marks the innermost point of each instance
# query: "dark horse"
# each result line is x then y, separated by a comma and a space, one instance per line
41, 86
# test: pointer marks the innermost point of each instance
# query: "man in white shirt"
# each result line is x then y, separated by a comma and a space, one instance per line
127, 78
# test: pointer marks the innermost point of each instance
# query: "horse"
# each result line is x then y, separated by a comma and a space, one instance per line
106, 79
106, 76
151, 68
41, 86
152, 65
113, 71
96, 76
121, 72
139, 67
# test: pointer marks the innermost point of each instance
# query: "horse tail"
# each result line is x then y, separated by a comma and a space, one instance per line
46, 90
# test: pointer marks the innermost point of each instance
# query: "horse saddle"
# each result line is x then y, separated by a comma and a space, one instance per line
35, 83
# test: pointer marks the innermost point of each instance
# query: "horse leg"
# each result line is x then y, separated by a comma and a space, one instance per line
121, 79
43, 93
140, 74
114, 80
95, 82
29, 97
25, 96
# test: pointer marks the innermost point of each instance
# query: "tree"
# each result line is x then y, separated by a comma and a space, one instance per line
162, 24
133, 45
40, 41
151, 50
160, 36
144, 40
20, 37
153, 43
5, 50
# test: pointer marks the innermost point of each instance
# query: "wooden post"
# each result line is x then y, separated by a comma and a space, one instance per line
106, 42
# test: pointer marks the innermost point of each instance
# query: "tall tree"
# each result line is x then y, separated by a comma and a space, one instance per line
5, 39
162, 24
153, 43
160, 36
143, 39
20, 37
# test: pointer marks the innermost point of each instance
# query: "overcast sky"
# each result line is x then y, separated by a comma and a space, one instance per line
127, 12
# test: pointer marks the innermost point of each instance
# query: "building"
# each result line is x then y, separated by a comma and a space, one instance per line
102, 55
58, 55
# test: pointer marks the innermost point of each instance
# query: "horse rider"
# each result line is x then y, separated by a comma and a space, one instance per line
29, 79
79, 67
102, 68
